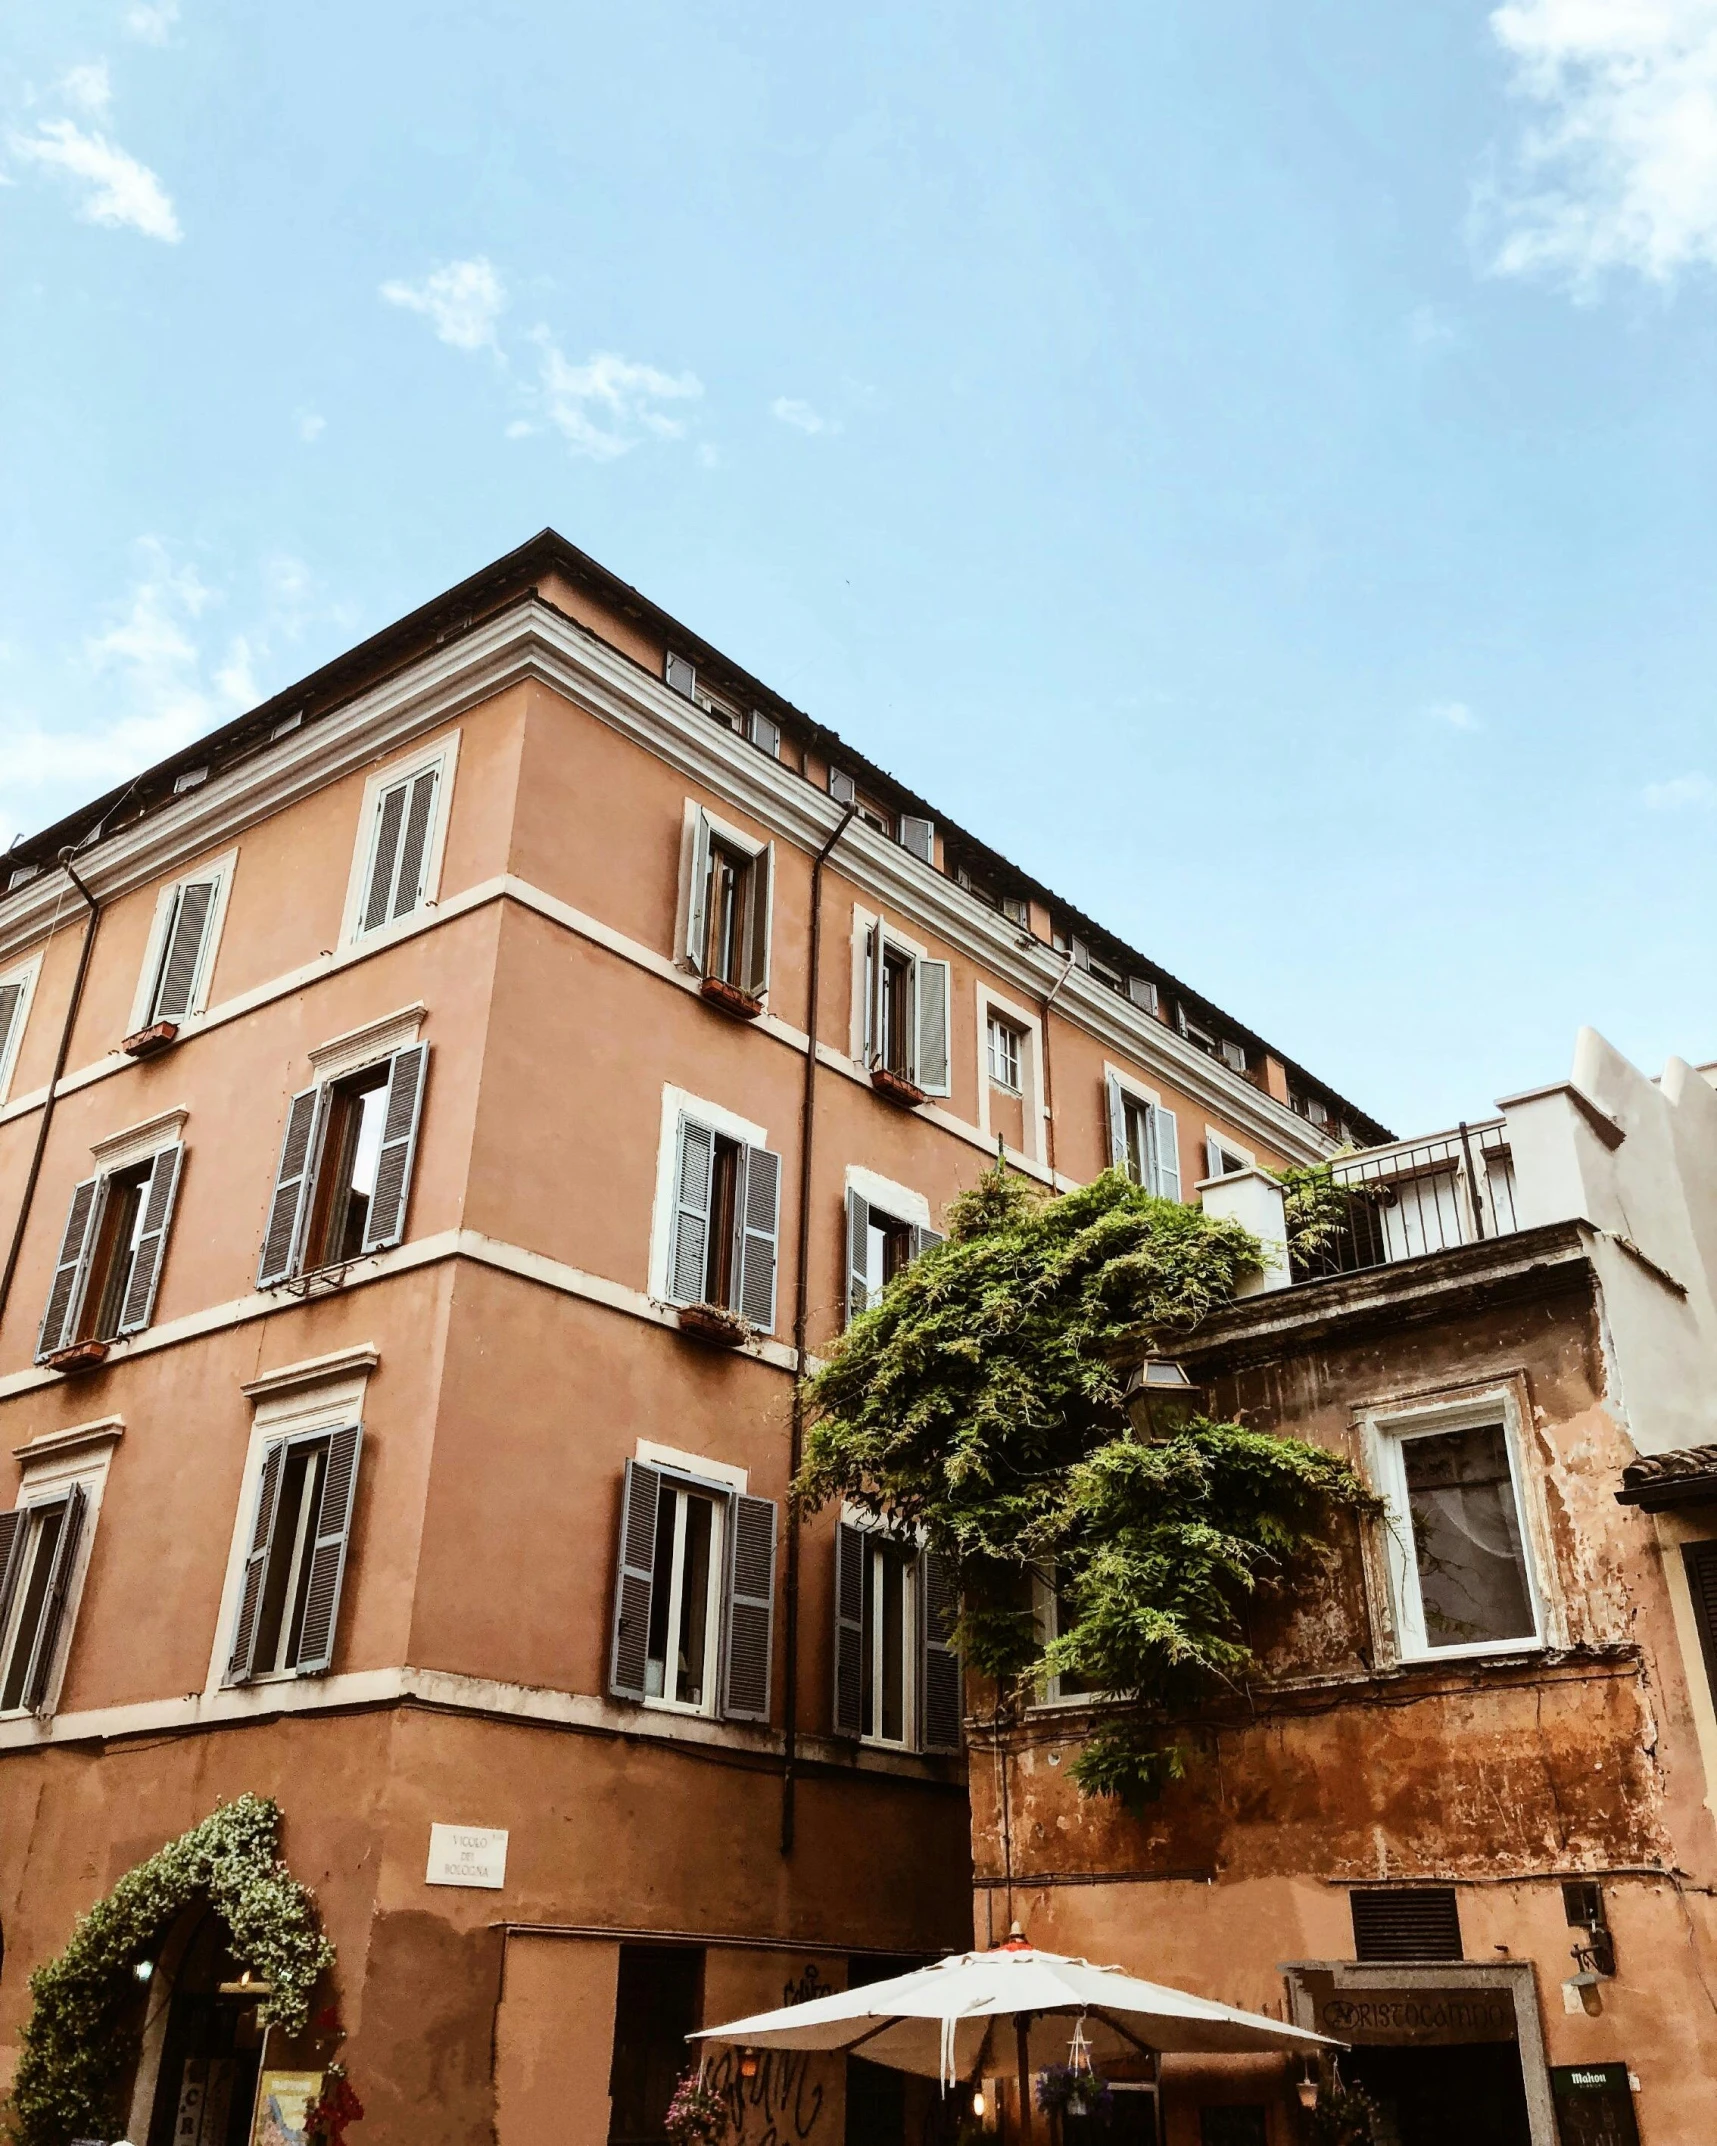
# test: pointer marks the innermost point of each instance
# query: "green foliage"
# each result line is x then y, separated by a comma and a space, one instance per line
982, 1400
1318, 1214
75, 2049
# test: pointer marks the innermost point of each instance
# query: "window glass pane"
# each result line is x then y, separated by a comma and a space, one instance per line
726, 916
876, 1255
309, 1523
47, 1535
1138, 1143
661, 1593
121, 1226
691, 1669
893, 1638
284, 1557
1466, 1538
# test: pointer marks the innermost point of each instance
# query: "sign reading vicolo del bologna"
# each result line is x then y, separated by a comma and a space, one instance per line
467, 1855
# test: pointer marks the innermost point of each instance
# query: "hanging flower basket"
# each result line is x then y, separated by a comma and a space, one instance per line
145, 1042
896, 1088
1074, 2090
697, 2115
730, 998
714, 1325
81, 1356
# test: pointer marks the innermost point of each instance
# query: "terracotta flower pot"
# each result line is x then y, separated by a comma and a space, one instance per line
730, 998
81, 1356
896, 1088
714, 1324
145, 1042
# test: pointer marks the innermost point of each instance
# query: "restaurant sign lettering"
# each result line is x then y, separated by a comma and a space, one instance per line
1419, 2017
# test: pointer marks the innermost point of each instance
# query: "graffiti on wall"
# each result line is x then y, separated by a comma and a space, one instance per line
782, 2101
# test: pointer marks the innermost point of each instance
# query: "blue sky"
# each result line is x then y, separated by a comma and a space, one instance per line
1252, 463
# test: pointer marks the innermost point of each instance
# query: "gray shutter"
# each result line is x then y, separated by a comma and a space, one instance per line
386, 1221
1212, 1159
873, 975
850, 1547
918, 836
328, 1553
760, 1214
693, 1170
47, 1633
242, 1658
942, 1700
923, 1238
280, 1240
858, 1254
1165, 1151
71, 1270
14, 1534
1117, 1109
750, 1608
931, 992
183, 953
390, 818
842, 787
682, 676
765, 733
158, 1198
11, 998
1143, 993
759, 894
697, 894
634, 1581
1699, 1560
419, 817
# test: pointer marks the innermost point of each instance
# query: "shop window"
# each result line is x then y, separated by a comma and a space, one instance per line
658, 2003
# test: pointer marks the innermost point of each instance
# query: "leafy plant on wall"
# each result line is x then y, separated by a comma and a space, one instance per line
75, 2051
982, 1400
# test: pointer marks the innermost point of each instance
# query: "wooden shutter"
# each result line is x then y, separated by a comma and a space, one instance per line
873, 978
850, 1548
931, 994
385, 1224
328, 1551
923, 1238
46, 1636
697, 894
750, 1608
634, 1581
390, 819
280, 1240
682, 675
941, 1698
71, 1270
182, 954
14, 1534
842, 788
11, 998
242, 1657
765, 733
858, 1254
1117, 1108
158, 1198
693, 1170
1165, 1152
760, 1214
759, 893
1699, 1560
918, 836
419, 817
1212, 1158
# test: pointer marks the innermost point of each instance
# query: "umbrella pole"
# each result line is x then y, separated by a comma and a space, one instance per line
1022, 2042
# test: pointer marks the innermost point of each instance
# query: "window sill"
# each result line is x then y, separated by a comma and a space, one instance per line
730, 999
1497, 1650
714, 1326
678, 1706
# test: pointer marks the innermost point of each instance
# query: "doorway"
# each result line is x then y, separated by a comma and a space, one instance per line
1471, 2091
211, 2050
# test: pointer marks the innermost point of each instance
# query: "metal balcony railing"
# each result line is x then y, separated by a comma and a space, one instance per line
1402, 1202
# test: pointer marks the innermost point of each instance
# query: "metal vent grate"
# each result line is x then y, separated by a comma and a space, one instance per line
1401, 1924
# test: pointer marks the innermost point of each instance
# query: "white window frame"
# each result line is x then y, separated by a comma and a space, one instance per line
866, 921
1010, 1079
1395, 1566
1214, 1138
677, 1103
77, 1456
28, 973
220, 870
441, 753
1134, 1090
718, 1496
1030, 1091
911, 1636
1043, 1604
882, 1196
753, 846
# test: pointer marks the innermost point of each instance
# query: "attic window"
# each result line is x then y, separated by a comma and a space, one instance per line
22, 875
193, 778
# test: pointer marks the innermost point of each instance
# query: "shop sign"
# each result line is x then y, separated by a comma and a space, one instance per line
1419, 2018
283, 2101
467, 1855
1594, 2105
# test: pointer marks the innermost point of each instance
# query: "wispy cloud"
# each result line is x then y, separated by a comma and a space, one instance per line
117, 189
1455, 713
1431, 327
1617, 168
463, 300
88, 87
151, 20
788, 410
311, 426
1680, 793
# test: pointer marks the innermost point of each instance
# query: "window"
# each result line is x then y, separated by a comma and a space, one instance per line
845, 791
1004, 1054
897, 1672
111, 1252
727, 907
905, 1012
695, 1595
1052, 1610
1144, 1140
344, 1175
181, 954
879, 1246
1699, 1563
38, 1545
918, 836
1222, 1160
1406, 1923
295, 1565
727, 1201
17, 988
403, 827
1459, 1569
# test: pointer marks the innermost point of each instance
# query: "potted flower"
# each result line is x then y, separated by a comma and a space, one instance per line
1073, 2090
697, 2115
896, 1088
715, 1325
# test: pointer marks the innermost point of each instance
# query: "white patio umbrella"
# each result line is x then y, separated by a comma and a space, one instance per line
950, 2020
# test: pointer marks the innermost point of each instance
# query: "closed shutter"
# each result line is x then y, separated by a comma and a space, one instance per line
1165, 1151
158, 1198
766, 733
750, 1609
182, 955
697, 896
850, 1548
919, 836
760, 1212
1699, 1560
414, 850
858, 1254
11, 999
842, 787
1117, 1108
942, 1704
384, 860
634, 1581
47, 1633
14, 1534
682, 675
328, 1551
931, 993
241, 1659
386, 1221
280, 1240
71, 1270
693, 1170
760, 891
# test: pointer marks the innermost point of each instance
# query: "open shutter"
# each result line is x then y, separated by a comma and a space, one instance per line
1117, 1109
14, 1534
1165, 1152
750, 1609
182, 955
682, 674
386, 1222
241, 1659
760, 1213
919, 836
923, 1238
328, 1552
858, 1253
1699, 1559
842, 788
11, 999
759, 892
931, 993
414, 850
942, 1705
697, 895
71, 1270
1212, 1159
158, 1198
634, 1581
384, 860
850, 1547
280, 1240
47, 1633
692, 1174
873, 981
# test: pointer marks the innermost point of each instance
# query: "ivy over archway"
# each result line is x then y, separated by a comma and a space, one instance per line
71, 2072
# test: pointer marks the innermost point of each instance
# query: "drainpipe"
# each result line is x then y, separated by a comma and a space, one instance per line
1049, 999
47, 1118
802, 1285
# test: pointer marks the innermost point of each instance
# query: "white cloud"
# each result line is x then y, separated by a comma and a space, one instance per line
152, 19
121, 191
464, 300
1455, 713
603, 407
1618, 167
1680, 792
311, 426
88, 87
1432, 327
801, 416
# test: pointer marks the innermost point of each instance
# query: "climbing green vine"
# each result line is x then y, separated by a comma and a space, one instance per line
982, 1400
75, 2052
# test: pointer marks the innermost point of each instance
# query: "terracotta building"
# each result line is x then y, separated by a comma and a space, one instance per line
417, 1193
1463, 1818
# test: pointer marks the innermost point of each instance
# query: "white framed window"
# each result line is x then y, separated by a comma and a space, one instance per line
1144, 1136
717, 1223
1052, 1613
39, 1543
726, 890
1004, 1053
342, 1184
402, 831
901, 1009
114, 1243
295, 1564
1223, 1157
184, 939
17, 989
897, 1671
887, 1228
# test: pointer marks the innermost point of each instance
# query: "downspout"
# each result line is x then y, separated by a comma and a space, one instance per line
47, 1119
801, 1292
1048, 1082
